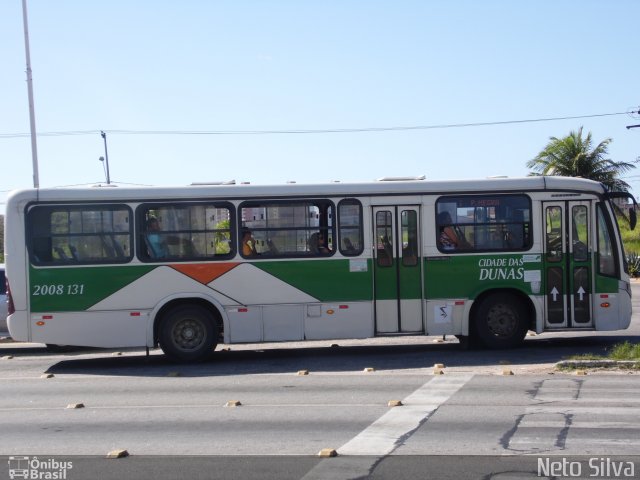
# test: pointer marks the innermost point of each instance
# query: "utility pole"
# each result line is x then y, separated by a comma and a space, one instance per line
634, 112
32, 115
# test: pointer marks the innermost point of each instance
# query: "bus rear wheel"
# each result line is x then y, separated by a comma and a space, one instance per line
188, 333
501, 321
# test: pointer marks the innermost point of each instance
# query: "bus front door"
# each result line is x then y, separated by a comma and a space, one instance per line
397, 269
568, 264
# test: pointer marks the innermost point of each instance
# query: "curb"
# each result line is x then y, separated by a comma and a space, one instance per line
598, 364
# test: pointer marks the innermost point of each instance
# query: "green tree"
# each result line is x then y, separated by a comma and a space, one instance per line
575, 156
223, 237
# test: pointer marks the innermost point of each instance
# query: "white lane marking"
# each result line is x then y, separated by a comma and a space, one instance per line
358, 456
383, 435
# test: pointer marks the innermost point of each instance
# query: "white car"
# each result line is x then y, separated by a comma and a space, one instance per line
3, 301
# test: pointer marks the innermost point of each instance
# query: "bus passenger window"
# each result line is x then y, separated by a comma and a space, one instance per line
293, 228
185, 231
483, 223
73, 234
350, 227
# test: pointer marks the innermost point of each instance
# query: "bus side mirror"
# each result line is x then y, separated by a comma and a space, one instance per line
633, 218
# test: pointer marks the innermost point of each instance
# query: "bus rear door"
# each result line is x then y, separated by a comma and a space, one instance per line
568, 264
397, 269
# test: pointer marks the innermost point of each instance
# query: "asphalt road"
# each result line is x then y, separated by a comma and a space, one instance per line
470, 422
286, 419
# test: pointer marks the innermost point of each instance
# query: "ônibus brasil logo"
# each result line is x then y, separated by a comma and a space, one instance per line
36, 469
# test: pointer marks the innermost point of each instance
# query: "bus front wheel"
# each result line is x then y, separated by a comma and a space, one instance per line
188, 333
501, 321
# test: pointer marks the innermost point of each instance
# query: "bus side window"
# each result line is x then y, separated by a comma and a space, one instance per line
182, 232
350, 228
70, 234
484, 222
291, 228
606, 258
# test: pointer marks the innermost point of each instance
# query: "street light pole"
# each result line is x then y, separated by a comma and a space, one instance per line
106, 156
32, 116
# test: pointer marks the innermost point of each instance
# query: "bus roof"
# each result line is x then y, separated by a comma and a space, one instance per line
338, 189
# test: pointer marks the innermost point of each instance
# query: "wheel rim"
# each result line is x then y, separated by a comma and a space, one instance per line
188, 334
502, 320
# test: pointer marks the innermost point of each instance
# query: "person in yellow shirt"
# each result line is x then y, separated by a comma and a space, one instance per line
248, 244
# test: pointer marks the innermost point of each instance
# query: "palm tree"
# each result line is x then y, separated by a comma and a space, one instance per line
573, 156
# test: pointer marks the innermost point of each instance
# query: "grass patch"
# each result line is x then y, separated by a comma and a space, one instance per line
620, 351
626, 352
587, 356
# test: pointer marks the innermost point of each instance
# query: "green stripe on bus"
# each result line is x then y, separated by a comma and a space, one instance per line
387, 281
326, 280
464, 276
606, 284
77, 289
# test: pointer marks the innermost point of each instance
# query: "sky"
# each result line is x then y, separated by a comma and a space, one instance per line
129, 67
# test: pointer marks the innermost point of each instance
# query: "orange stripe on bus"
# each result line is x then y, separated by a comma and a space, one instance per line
204, 272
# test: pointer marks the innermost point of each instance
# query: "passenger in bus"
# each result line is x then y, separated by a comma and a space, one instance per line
322, 244
317, 244
448, 238
273, 249
155, 244
248, 244
514, 235
348, 245
410, 250
384, 251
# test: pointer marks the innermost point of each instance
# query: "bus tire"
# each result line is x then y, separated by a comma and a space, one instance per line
468, 342
54, 348
501, 321
188, 333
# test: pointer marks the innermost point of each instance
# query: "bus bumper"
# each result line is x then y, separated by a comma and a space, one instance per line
625, 304
18, 324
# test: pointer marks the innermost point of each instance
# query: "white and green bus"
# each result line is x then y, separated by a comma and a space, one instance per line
189, 267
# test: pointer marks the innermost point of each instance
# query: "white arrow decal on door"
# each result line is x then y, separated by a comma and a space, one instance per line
581, 293
554, 293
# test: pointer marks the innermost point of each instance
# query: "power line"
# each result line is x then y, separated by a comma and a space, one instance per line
310, 131
51, 134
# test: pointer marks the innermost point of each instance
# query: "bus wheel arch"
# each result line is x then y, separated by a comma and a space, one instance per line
188, 329
501, 318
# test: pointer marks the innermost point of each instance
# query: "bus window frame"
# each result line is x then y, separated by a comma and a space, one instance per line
614, 233
360, 227
79, 207
141, 230
453, 198
266, 203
